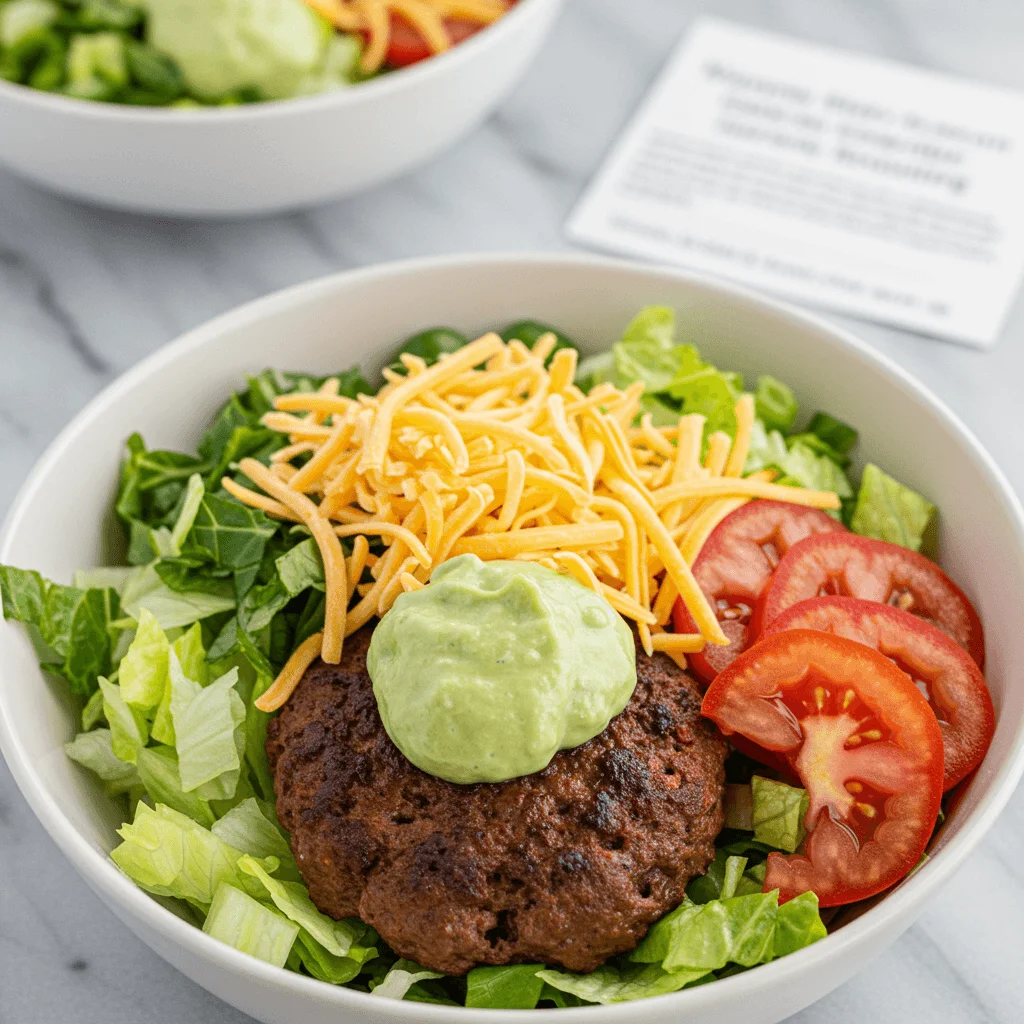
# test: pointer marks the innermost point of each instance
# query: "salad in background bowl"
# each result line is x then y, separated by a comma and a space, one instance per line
229, 107
187, 53
188, 540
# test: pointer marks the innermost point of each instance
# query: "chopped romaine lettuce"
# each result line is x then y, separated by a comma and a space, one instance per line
143, 671
247, 828
209, 730
75, 626
129, 729
798, 924
242, 922
514, 987
779, 812
612, 983
292, 899
775, 405
839, 436
94, 750
172, 609
169, 854
161, 777
737, 930
300, 568
402, 976
888, 510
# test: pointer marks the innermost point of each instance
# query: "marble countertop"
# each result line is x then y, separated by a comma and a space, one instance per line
85, 293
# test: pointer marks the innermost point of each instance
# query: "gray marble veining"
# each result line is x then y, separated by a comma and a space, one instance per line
86, 293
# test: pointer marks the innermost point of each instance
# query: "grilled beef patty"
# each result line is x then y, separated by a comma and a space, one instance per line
567, 866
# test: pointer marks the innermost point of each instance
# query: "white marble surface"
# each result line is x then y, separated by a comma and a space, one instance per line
84, 294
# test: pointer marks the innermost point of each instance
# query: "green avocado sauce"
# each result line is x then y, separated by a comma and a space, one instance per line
281, 48
485, 674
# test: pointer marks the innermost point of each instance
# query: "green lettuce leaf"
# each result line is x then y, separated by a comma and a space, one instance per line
710, 393
129, 730
229, 533
242, 922
325, 966
619, 984
798, 924
803, 467
247, 828
209, 730
75, 625
738, 930
775, 405
142, 674
172, 609
839, 436
169, 854
92, 713
161, 777
402, 976
778, 813
300, 568
94, 750
515, 987
292, 899
887, 510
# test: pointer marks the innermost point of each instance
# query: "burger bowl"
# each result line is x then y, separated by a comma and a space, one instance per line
261, 158
62, 520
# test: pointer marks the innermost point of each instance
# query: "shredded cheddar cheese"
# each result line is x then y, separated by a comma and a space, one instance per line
488, 452
373, 19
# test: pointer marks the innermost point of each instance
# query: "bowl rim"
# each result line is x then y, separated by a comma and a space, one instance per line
132, 902
380, 86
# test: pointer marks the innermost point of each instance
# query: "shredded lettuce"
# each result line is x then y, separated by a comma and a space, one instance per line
839, 436
620, 983
172, 608
74, 626
143, 671
798, 924
242, 922
247, 828
129, 729
209, 732
402, 976
95, 751
161, 776
735, 930
514, 987
778, 813
888, 510
775, 405
169, 854
292, 899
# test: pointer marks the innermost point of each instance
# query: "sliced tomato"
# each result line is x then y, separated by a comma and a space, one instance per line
865, 745
407, 46
734, 568
845, 565
940, 668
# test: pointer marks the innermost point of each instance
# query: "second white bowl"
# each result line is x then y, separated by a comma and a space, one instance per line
266, 157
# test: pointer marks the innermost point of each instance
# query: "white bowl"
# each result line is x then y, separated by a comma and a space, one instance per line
62, 520
265, 157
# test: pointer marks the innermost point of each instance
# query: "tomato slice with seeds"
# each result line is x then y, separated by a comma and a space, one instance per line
866, 747
734, 568
940, 668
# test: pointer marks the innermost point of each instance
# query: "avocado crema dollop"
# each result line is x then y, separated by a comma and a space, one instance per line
491, 669
280, 48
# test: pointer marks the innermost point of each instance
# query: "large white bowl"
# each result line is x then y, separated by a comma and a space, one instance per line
265, 157
62, 521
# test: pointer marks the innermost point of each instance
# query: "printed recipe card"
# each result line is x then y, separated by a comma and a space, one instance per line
857, 184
